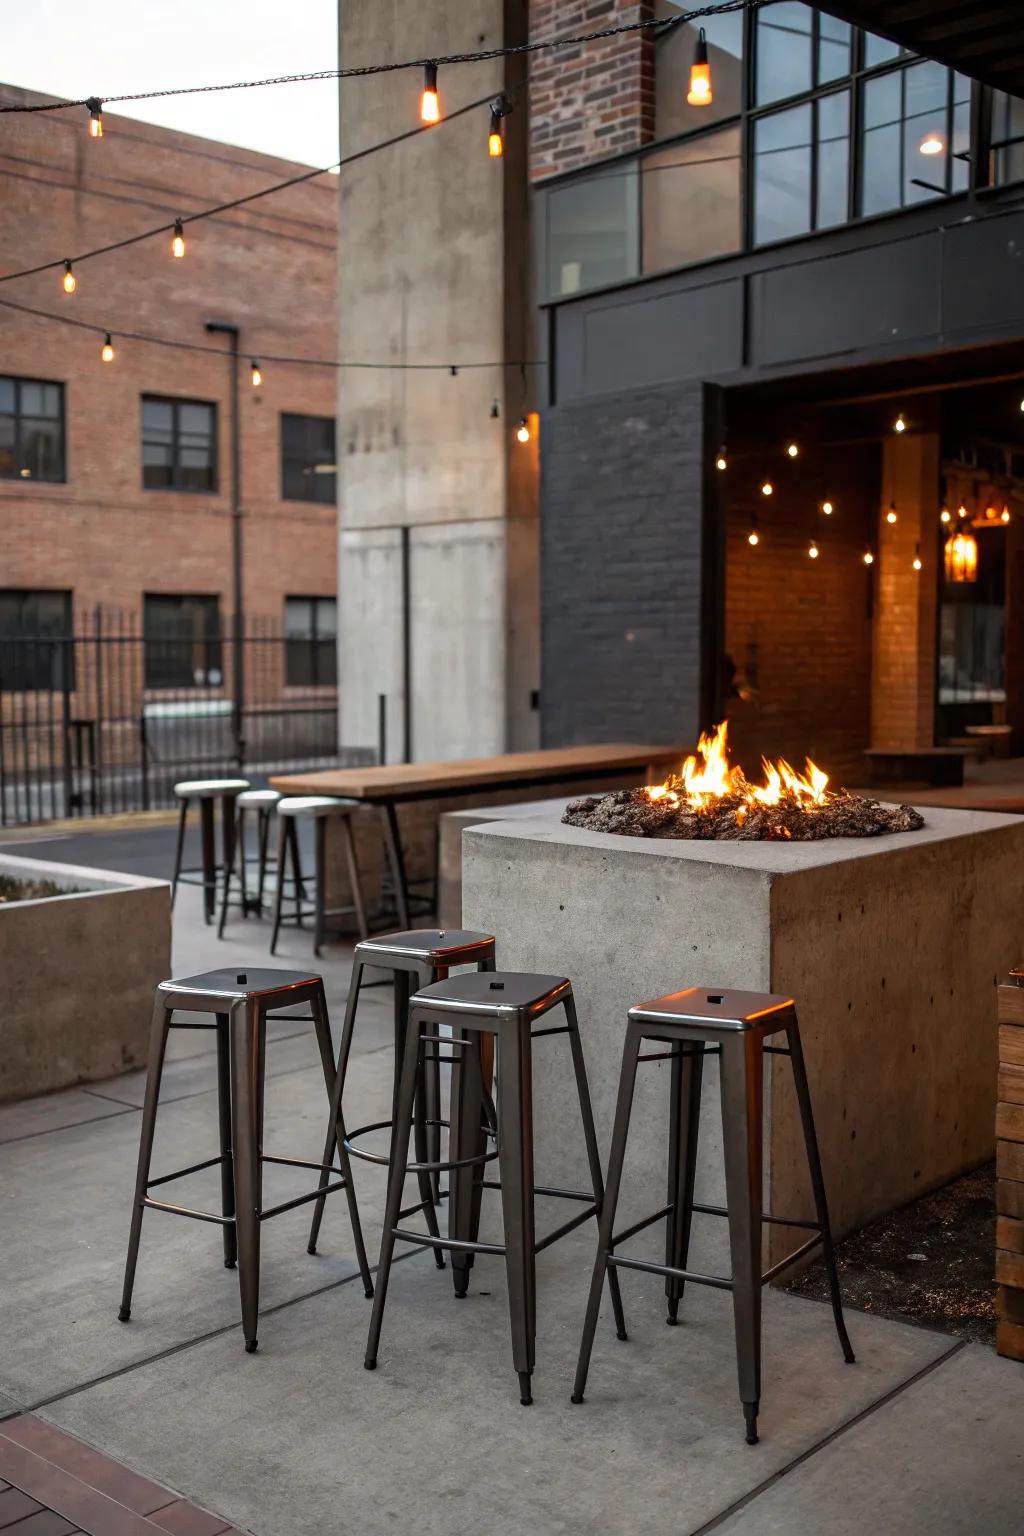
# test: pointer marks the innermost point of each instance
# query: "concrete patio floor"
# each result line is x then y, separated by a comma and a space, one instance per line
923, 1434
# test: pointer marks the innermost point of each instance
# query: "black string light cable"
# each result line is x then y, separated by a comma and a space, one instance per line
664, 24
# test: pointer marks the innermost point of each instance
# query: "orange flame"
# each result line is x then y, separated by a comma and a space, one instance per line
708, 777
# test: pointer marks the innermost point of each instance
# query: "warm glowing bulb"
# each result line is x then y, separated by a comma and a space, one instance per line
813, 550
69, 278
767, 488
827, 508
869, 558
899, 425
721, 462
792, 449
917, 562
700, 94
753, 538
523, 430
1022, 405
178, 241
1005, 515
961, 510
430, 102
932, 144
890, 516
107, 350
256, 375
944, 516
496, 139
95, 126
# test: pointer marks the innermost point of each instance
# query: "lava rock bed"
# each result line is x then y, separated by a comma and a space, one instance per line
733, 818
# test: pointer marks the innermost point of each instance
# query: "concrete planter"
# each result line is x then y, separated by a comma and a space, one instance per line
78, 973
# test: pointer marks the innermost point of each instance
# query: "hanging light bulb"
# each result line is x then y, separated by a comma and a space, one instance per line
721, 462
899, 425
767, 488
95, 107
961, 511
700, 94
523, 430
944, 516
430, 102
917, 557
107, 349
812, 550
178, 240
792, 449
961, 558
753, 537
496, 137
932, 143
255, 374
890, 516
1004, 516
868, 557
69, 278
495, 413
827, 508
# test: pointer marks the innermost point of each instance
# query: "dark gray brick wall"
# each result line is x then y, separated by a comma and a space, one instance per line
621, 545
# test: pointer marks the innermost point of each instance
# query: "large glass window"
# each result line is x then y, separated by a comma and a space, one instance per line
835, 42
915, 134
36, 646
31, 430
592, 231
673, 54
785, 52
308, 470
183, 641
179, 444
691, 199
1007, 138
311, 628
801, 168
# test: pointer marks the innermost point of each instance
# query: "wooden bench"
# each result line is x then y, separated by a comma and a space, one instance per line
939, 766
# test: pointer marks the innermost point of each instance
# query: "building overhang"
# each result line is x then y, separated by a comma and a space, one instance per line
980, 38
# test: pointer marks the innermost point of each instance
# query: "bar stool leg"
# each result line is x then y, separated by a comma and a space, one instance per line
206, 828
396, 859
396, 1181
246, 1076
263, 838
227, 1171
319, 882
154, 1071
606, 1226
515, 1160
179, 848
229, 869
742, 1068
803, 1095
282, 848
227, 834
419, 1121
300, 889
337, 1091
353, 877
336, 1132
239, 846
465, 1109
687, 1078
593, 1156
432, 1102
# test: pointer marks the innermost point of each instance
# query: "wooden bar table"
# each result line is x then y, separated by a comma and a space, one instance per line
394, 784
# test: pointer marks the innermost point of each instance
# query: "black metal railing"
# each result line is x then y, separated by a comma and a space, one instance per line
108, 718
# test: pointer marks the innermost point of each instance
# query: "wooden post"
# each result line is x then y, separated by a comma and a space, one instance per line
1010, 1171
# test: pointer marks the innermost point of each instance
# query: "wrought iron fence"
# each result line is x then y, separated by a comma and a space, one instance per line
108, 718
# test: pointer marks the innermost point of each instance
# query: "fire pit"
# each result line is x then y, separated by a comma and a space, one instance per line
710, 799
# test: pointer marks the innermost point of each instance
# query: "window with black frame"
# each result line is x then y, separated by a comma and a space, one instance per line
915, 136
311, 633
308, 468
31, 429
182, 640
36, 640
179, 444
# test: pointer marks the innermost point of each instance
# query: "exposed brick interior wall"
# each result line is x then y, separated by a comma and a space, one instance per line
594, 99
799, 631
622, 645
269, 268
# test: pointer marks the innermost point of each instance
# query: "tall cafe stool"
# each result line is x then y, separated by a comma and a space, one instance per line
734, 1026
207, 792
502, 1006
424, 955
263, 803
319, 809
239, 1003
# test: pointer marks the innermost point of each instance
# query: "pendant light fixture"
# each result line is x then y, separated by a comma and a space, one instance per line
700, 93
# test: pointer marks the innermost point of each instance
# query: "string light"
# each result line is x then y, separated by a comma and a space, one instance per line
1004, 516
961, 511
256, 374
890, 516
723, 463
792, 449
95, 107
917, 557
523, 430
868, 557
944, 516
700, 93
899, 425
767, 488
178, 241
69, 278
107, 349
753, 537
812, 550
430, 102
496, 137
827, 508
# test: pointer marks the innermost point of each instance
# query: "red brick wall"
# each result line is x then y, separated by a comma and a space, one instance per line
799, 631
903, 713
594, 99
269, 268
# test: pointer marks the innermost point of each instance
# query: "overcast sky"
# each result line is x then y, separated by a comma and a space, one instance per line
96, 47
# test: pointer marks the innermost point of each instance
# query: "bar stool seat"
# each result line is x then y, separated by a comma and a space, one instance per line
263, 802
319, 809
259, 799
734, 1026
207, 792
490, 1006
240, 1002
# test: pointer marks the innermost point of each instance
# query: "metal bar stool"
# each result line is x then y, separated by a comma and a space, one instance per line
207, 792
733, 1026
240, 1003
319, 809
263, 802
426, 954
503, 1006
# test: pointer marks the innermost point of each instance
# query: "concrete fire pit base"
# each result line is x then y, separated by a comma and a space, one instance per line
891, 947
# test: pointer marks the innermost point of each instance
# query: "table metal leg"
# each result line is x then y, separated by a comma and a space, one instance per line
393, 840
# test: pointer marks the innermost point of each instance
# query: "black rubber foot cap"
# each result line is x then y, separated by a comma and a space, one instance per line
124, 1315
368, 1293
672, 1322
526, 1401
752, 1438
369, 1365
460, 1295
229, 1263
623, 1335
577, 1397
250, 1346
311, 1247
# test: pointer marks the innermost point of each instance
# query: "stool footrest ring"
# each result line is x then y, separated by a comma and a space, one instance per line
453, 1244
383, 1159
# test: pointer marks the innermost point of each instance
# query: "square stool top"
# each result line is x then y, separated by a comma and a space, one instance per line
431, 946
228, 985
494, 993
716, 1008
203, 789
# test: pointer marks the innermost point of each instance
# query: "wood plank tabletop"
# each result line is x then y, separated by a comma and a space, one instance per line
397, 781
